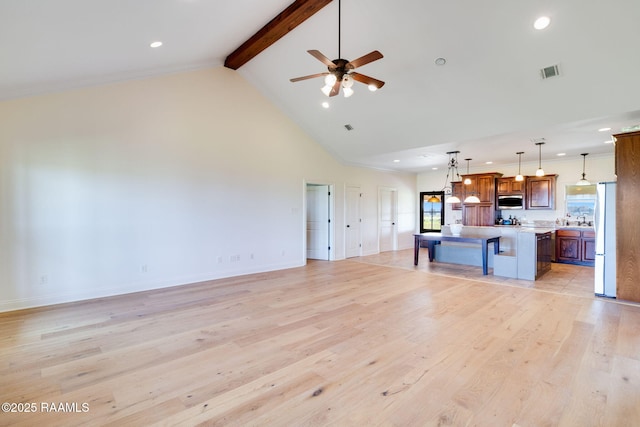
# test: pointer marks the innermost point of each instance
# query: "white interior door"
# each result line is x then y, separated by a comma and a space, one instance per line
318, 225
387, 212
352, 222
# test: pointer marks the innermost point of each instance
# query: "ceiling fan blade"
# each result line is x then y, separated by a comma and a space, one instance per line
336, 88
297, 79
369, 57
366, 80
320, 57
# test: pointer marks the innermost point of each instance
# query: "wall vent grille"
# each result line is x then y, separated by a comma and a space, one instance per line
551, 71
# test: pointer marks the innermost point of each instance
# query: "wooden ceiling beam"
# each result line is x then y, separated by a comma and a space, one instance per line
295, 14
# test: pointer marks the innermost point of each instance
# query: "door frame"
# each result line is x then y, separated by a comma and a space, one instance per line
331, 225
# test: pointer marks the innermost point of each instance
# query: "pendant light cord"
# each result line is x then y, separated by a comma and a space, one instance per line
584, 160
539, 156
339, 28
519, 162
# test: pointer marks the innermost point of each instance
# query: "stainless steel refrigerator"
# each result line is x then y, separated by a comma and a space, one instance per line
605, 226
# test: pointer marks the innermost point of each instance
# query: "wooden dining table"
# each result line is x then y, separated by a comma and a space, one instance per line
434, 239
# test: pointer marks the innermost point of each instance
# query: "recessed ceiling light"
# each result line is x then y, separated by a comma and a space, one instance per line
434, 169
156, 44
542, 23
609, 141
489, 163
325, 104
561, 154
440, 61
603, 129
396, 161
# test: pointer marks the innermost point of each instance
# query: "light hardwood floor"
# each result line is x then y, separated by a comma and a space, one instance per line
366, 341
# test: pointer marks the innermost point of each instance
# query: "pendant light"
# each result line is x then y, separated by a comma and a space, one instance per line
467, 180
451, 169
583, 180
519, 177
433, 199
540, 171
472, 198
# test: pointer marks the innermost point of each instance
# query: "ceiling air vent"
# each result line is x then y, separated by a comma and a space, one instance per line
551, 71
348, 127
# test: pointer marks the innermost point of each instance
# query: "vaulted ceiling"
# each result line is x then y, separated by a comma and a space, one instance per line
488, 101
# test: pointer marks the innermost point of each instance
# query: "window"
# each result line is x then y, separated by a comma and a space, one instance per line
431, 211
580, 201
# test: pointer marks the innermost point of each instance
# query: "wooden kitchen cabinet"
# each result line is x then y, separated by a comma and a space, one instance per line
574, 246
541, 192
484, 187
509, 185
478, 214
627, 166
589, 250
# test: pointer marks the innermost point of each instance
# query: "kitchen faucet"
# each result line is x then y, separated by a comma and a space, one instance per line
584, 220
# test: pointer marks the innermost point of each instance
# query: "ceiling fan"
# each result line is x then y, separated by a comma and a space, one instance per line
340, 71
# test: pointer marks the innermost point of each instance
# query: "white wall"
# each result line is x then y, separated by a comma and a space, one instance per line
161, 182
569, 170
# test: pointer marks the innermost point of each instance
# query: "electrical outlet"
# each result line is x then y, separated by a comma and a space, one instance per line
44, 280
219, 260
144, 268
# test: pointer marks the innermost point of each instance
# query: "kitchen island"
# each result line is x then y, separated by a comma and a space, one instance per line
519, 252
433, 239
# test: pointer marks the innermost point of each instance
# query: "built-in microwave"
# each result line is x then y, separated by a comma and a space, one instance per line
512, 201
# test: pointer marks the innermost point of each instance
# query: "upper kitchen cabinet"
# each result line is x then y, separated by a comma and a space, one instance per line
541, 192
483, 185
627, 158
509, 186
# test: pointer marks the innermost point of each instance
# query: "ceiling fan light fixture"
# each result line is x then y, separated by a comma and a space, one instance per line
330, 79
339, 70
326, 90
